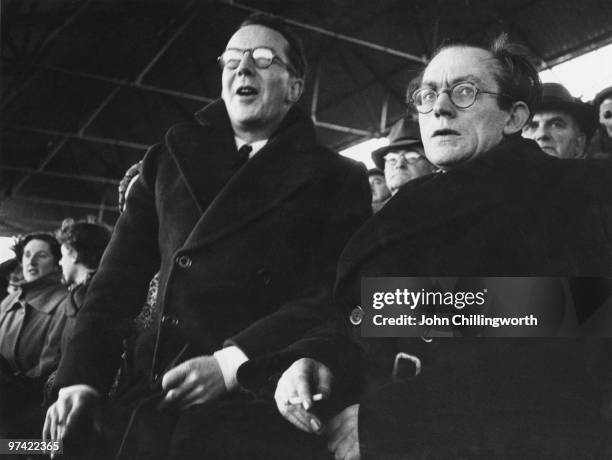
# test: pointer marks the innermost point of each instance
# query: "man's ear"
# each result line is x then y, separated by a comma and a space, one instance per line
296, 87
581, 145
518, 116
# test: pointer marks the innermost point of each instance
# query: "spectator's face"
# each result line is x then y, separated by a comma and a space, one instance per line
605, 115
255, 98
404, 165
452, 136
557, 134
380, 192
68, 264
37, 260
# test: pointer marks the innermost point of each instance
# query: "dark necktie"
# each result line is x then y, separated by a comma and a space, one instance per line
243, 154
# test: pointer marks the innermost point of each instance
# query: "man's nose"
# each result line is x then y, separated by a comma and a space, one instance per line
246, 66
402, 162
541, 133
443, 106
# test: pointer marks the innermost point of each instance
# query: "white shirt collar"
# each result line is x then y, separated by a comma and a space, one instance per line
257, 145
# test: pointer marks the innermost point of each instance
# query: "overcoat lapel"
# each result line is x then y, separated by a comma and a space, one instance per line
429, 202
273, 174
205, 155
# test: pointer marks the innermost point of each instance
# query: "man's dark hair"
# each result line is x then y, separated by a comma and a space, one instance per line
88, 239
48, 238
295, 51
515, 73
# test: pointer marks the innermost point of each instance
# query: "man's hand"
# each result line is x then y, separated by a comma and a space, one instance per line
193, 382
304, 378
74, 404
343, 434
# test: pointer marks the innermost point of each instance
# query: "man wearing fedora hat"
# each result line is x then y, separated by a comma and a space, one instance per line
404, 158
562, 125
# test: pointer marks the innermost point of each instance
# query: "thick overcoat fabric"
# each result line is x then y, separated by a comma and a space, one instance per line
246, 254
511, 212
32, 322
72, 304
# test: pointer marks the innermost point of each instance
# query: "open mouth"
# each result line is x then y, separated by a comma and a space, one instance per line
445, 132
246, 91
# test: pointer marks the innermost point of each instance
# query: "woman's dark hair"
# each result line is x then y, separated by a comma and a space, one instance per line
88, 239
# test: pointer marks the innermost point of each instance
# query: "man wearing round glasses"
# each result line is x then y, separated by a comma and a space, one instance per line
463, 112
244, 214
501, 208
259, 85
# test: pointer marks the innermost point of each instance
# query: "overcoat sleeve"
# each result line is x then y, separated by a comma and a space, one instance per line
118, 290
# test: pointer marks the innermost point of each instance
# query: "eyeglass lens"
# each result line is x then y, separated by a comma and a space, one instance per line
408, 157
462, 95
262, 57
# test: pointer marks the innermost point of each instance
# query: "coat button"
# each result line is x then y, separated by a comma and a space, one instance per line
184, 261
356, 315
265, 275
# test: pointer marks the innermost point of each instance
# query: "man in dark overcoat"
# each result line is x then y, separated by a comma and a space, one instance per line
244, 214
501, 207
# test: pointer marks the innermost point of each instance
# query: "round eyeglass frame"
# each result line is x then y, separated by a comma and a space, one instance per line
257, 61
450, 90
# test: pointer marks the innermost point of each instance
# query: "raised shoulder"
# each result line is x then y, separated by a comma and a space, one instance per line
334, 160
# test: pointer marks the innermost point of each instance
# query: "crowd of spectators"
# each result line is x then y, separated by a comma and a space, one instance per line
562, 125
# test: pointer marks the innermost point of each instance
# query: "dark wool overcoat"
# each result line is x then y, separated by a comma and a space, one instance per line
34, 320
246, 254
511, 212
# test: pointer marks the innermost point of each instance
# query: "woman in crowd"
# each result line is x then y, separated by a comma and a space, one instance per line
32, 321
601, 144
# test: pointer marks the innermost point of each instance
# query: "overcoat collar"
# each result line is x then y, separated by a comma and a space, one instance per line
506, 172
206, 162
44, 295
